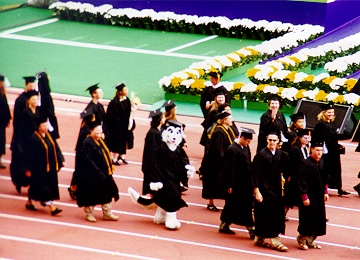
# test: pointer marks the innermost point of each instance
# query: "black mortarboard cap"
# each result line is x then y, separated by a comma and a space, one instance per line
169, 105
31, 93
92, 88
155, 113
39, 120
274, 133
2, 77
93, 124
299, 115
86, 115
222, 107
275, 97
327, 106
173, 123
317, 144
222, 115
215, 74
29, 79
302, 132
120, 86
247, 133
219, 91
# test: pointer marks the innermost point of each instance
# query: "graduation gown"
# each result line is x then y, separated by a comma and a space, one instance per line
208, 122
312, 182
5, 117
96, 184
152, 143
100, 116
267, 126
208, 95
220, 140
236, 175
266, 175
45, 160
169, 170
19, 106
326, 132
117, 116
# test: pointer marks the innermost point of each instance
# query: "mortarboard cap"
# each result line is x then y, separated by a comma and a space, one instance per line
120, 86
92, 88
2, 77
317, 144
327, 106
169, 105
222, 115
274, 97
29, 79
247, 133
222, 107
86, 115
155, 113
41, 119
275, 133
173, 123
93, 124
215, 74
219, 91
31, 93
302, 132
299, 115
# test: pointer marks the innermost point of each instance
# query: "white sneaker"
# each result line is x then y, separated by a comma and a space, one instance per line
90, 218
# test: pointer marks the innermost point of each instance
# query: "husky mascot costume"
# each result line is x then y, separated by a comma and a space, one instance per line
169, 168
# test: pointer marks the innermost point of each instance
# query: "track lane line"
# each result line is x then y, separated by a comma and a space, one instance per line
191, 43
31, 26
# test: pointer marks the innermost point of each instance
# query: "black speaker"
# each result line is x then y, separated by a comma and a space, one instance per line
345, 119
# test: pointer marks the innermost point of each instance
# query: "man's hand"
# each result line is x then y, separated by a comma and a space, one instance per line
155, 186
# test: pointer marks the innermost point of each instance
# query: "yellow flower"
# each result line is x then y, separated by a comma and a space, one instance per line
253, 52
300, 94
357, 103
198, 84
251, 72
201, 72
191, 75
321, 96
309, 78
296, 60
350, 83
328, 80
176, 81
261, 87
238, 85
291, 76
280, 90
339, 99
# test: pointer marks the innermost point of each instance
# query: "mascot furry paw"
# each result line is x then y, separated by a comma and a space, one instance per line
165, 188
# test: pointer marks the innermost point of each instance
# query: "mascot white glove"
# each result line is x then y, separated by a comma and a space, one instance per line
190, 170
155, 186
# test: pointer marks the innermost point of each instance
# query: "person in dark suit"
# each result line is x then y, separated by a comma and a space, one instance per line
5, 117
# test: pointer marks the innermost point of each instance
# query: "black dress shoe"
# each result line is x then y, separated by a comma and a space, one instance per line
56, 211
2, 166
357, 188
124, 161
116, 163
212, 207
183, 188
225, 229
343, 192
30, 207
72, 193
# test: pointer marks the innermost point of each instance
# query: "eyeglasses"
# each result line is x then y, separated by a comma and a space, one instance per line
272, 140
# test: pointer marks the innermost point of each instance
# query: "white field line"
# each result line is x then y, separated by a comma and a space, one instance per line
99, 46
31, 26
186, 242
191, 43
68, 246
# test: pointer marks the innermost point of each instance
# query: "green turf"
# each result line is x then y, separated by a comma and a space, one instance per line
21, 16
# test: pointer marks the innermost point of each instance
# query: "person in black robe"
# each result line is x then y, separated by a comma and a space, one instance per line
220, 140
17, 169
151, 145
298, 122
271, 121
325, 131
237, 185
95, 183
298, 153
357, 187
314, 193
44, 162
87, 118
269, 214
5, 117
96, 107
207, 96
47, 104
117, 116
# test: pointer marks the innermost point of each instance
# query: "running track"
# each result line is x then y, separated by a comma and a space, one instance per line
37, 235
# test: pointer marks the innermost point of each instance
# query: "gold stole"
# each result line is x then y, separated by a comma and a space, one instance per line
106, 153
47, 150
227, 133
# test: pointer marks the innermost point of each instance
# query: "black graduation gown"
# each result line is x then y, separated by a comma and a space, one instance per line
44, 163
169, 170
266, 175
326, 132
83, 133
5, 117
291, 136
267, 126
236, 175
208, 95
212, 162
19, 106
117, 117
312, 182
100, 116
208, 122
291, 194
152, 143
95, 183
28, 126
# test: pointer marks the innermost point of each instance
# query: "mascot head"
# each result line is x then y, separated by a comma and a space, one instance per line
172, 134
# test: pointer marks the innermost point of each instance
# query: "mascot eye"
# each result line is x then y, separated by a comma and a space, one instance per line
170, 131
